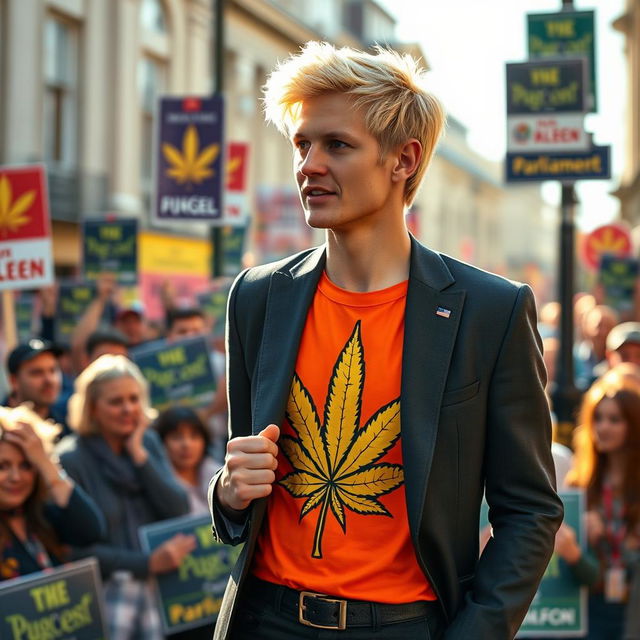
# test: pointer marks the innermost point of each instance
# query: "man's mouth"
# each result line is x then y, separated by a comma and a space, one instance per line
316, 192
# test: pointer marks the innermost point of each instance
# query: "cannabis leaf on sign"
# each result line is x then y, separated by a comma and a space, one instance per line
190, 165
13, 214
334, 463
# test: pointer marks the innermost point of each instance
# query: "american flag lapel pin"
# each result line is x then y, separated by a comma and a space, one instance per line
443, 313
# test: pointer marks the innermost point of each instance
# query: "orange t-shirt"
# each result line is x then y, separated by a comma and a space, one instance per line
337, 520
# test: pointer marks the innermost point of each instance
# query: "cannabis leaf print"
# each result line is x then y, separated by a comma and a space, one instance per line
335, 464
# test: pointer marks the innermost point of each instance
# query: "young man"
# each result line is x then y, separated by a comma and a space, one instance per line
35, 377
376, 390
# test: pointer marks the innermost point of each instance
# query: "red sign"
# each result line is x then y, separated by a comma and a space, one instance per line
25, 229
236, 198
613, 239
237, 153
24, 210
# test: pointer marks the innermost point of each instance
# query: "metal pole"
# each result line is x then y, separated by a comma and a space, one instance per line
565, 396
218, 87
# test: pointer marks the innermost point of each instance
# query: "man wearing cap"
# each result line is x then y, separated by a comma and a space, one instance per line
35, 377
623, 344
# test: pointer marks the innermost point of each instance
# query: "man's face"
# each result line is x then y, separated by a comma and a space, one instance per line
38, 380
187, 328
132, 325
627, 352
337, 165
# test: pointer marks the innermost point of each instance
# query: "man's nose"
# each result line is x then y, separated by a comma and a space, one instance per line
313, 163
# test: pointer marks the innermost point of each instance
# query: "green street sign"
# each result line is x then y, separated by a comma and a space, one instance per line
567, 34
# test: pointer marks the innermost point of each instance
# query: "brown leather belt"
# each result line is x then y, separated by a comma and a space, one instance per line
327, 612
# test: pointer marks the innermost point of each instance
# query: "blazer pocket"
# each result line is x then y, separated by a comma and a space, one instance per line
455, 396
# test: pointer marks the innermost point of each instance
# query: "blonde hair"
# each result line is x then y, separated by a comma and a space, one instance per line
46, 430
387, 86
87, 386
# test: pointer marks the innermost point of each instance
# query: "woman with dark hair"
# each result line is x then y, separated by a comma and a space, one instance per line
122, 465
41, 509
187, 443
606, 465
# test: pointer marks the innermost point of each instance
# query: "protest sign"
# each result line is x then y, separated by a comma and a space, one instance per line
214, 304
178, 373
25, 311
73, 300
26, 260
63, 603
189, 162
236, 196
191, 596
111, 245
232, 250
618, 276
559, 608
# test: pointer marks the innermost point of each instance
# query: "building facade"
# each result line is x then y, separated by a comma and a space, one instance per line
80, 81
629, 190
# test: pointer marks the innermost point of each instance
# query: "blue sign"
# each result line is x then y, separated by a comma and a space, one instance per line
111, 245
191, 596
178, 373
189, 164
63, 603
546, 86
594, 164
73, 300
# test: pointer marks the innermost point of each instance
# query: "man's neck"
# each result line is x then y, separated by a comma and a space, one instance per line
368, 259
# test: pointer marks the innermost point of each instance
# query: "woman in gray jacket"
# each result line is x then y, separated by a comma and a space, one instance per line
123, 467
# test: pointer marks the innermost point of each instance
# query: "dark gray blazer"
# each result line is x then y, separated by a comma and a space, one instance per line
474, 418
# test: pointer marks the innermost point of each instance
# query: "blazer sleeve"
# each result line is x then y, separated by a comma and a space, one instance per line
524, 509
239, 412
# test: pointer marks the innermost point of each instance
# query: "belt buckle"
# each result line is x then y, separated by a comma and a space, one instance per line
342, 611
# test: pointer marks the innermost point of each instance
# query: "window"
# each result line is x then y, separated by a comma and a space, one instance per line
152, 82
152, 16
61, 92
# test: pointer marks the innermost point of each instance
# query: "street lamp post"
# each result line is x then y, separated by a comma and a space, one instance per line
565, 396
218, 87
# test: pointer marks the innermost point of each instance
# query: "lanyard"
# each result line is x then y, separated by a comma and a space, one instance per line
614, 525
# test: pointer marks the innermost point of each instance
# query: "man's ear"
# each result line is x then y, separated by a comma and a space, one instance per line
408, 158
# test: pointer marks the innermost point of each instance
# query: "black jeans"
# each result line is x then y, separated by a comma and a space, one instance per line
259, 618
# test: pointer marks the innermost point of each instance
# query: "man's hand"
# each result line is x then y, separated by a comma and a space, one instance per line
249, 469
168, 556
106, 286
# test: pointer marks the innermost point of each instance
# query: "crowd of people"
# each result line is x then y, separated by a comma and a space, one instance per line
85, 460
604, 463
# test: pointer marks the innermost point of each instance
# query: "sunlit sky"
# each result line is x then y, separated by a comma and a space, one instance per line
468, 42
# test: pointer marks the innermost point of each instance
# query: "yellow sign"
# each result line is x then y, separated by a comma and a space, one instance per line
163, 254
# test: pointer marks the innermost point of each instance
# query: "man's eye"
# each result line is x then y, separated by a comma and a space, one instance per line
337, 144
302, 144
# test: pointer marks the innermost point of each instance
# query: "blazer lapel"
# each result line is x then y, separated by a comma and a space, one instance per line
291, 292
432, 318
